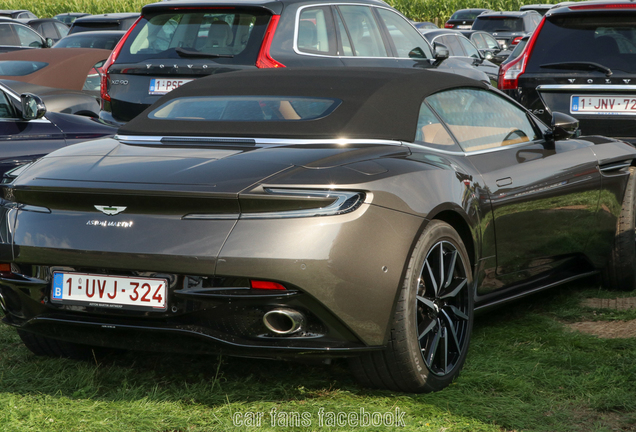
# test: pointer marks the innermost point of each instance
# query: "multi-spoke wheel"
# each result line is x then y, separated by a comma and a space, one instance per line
433, 319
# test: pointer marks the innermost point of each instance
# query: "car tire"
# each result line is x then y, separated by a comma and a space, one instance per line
45, 346
431, 327
620, 273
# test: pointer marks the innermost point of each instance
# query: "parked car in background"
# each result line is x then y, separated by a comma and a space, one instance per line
541, 8
249, 213
16, 36
106, 39
17, 13
487, 44
507, 27
49, 28
68, 17
176, 42
111, 21
66, 78
594, 79
461, 48
24, 139
516, 52
425, 25
463, 19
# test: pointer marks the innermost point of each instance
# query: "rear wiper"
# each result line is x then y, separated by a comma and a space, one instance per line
185, 52
579, 66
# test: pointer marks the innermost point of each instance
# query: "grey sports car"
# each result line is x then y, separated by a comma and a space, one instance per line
360, 213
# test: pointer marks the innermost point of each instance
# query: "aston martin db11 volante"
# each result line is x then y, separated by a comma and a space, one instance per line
344, 212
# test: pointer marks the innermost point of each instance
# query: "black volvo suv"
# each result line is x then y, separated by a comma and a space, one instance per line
177, 41
581, 60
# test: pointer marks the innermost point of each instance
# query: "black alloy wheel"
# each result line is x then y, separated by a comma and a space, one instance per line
430, 332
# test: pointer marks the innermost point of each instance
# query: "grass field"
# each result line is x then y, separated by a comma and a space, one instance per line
526, 371
417, 10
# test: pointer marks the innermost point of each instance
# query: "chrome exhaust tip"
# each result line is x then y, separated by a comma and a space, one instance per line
284, 321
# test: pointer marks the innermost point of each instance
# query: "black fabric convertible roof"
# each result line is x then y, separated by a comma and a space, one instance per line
377, 103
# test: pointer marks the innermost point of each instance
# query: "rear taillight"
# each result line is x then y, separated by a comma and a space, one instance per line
516, 40
509, 73
264, 59
111, 59
449, 25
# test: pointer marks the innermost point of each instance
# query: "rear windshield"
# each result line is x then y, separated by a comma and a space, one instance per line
174, 34
609, 40
244, 108
465, 15
94, 26
20, 68
499, 24
102, 41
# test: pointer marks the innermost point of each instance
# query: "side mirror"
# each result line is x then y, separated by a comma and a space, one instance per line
441, 52
32, 106
564, 126
48, 43
488, 55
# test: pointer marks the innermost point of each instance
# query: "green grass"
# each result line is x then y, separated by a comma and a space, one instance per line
525, 371
418, 10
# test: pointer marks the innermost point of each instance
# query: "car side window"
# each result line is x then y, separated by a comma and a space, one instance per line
431, 131
8, 36
62, 29
469, 48
344, 36
28, 37
6, 108
363, 30
404, 36
491, 42
316, 31
480, 119
453, 45
479, 41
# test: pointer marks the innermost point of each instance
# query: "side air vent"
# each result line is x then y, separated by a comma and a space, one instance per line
612, 168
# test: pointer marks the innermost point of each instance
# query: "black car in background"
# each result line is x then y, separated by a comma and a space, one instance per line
507, 27
105, 39
68, 17
463, 19
49, 28
17, 36
461, 48
594, 79
175, 42
487, 44
17, 13
24, 139
541, 8
110, 21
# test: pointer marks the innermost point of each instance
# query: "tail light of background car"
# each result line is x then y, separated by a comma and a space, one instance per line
516, 40
111, 59
264, 59
449, 25
509, 73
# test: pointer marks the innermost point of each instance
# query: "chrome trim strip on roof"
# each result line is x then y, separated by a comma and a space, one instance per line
138, 139
617, 87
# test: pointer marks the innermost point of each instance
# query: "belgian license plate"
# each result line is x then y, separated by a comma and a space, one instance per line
464, 27
163, 86
611, 105
501, 42
113, 292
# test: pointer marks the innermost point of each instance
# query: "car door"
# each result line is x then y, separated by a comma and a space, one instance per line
543, 195
24, 140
